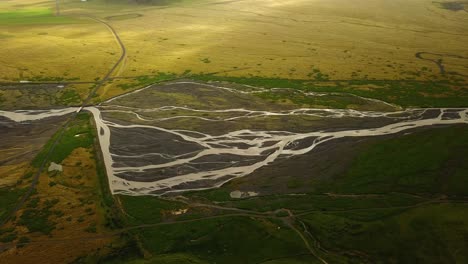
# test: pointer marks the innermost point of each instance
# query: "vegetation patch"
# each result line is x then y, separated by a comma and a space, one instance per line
8, 199
143, 81
148, 2
33, 17
453, 6
37, 219
68, 97
8, 237
179, 258
226, 240
78, 134
322, 202
432, 233
146, 209
405, 93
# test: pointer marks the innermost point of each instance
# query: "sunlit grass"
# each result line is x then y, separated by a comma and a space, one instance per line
33, 16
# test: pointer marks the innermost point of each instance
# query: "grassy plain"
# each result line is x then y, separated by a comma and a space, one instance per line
372, 43
231, 240
343, 40
39, 46
208, 236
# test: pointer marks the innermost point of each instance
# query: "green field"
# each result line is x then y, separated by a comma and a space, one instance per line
433, 162
79, 134
427, 234
8, 199
146, 210
229, 240
33, 17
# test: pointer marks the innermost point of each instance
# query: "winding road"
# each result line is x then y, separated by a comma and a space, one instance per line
439, 62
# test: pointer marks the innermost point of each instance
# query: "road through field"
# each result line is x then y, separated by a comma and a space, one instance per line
85, 102
123, 54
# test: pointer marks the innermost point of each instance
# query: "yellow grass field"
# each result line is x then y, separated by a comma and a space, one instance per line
288, 39
76, 51
343, 40
38, 46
